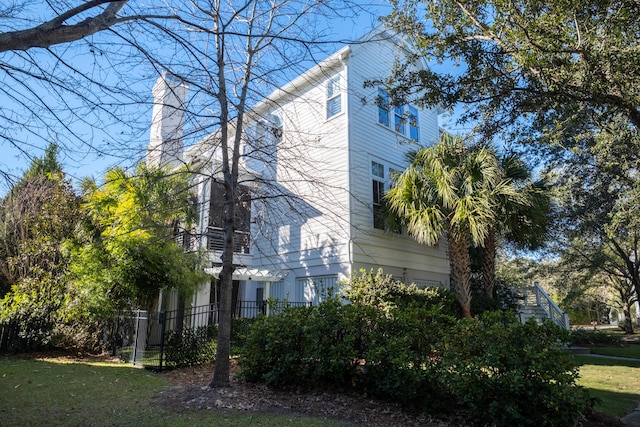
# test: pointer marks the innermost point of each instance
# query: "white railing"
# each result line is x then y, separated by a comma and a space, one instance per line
535, 296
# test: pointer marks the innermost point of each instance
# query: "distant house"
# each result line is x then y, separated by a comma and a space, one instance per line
319, 153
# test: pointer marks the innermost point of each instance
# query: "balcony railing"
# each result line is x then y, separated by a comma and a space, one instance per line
215, 240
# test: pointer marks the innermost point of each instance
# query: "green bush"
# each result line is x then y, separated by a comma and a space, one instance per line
507, 373
273, 349
385, 292
376, 351
593, 337
400, 359
407, 347
190, 347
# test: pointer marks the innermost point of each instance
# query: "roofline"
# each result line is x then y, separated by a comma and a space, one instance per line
304, 80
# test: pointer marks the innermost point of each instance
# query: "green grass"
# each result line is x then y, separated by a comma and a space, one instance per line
613, 382
632, 351
53, 392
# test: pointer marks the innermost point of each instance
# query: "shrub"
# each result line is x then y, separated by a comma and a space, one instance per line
191, 346
400, 357
378, 352
385, 292
506, 373
593, 337
273, 352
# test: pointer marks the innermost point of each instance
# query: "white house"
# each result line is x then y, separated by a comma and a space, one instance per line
319, 154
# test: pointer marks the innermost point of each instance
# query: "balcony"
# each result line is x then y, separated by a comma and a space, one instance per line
215, 240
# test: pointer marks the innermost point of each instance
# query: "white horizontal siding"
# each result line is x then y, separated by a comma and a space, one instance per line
369, 141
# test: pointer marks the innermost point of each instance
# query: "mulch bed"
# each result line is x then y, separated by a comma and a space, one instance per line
189, 391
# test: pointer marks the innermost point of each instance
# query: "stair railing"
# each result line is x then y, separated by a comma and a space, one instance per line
536, 296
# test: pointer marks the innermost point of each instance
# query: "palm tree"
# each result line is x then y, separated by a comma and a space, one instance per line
451, 190
521, 221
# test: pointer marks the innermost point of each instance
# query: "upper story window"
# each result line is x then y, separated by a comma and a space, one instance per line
378, 181
241, 223
413, 123
404, 118
383, 106
334, 98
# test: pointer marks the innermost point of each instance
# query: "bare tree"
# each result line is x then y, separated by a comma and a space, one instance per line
246, 50
230, 54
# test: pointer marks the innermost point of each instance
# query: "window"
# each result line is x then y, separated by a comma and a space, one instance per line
381, 178
242, 221
398, 119
383, 106
317, 289
276, 290
405, 117
377, 173
413, 123
334, 98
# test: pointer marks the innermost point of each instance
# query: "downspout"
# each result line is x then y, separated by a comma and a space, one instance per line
344, 61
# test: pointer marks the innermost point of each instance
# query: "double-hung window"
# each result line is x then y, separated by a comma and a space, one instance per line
382, 177
413, 123
378, 184
334, 98
402, 118
399, 119
316, 289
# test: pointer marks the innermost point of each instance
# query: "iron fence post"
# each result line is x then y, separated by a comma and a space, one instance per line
161, 316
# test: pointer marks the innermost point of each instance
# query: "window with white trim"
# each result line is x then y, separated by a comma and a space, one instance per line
316, 289
334, 97
403, 118
382, 177
413, 123
383, 106
378, 190
276, 290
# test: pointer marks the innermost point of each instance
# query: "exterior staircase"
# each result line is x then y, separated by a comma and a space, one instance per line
535, 303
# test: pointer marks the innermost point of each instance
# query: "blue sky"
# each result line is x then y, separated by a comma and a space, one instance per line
97, 144
116, 132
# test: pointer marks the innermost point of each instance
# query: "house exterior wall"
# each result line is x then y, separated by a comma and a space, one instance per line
307, 234
311, 146
398, 254
328, 163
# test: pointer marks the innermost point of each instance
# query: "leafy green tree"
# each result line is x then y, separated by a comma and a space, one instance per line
22, 205
553, 65
127, 252
598, 211
521, 222
37, 217
451, 190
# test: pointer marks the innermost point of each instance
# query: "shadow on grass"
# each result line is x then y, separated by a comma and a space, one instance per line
613, 382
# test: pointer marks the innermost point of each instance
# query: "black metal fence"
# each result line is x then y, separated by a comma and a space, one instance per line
140, 337
8, 335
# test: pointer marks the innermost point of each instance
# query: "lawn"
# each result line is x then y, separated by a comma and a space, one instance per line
632, 351
613, 382
65, 393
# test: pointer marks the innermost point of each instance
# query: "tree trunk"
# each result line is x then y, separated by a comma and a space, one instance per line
628, 325
461, 271
223, 350
489, 264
